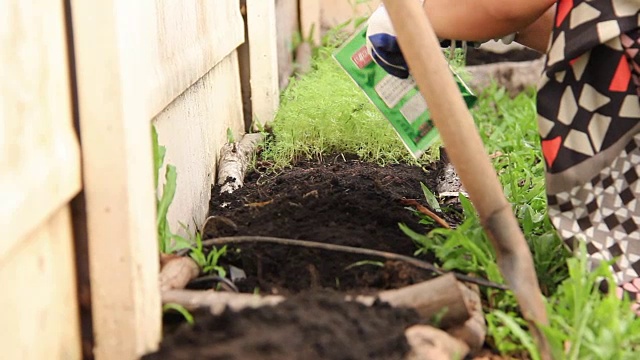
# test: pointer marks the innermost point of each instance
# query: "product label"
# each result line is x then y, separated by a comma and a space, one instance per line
399, 100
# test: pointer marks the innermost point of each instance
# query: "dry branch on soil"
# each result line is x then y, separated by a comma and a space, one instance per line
430, 343
422, 209
352, 250
177, 272
474, 330
443, 297
234, 159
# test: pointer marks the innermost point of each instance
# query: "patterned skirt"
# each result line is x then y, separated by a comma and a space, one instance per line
589, 122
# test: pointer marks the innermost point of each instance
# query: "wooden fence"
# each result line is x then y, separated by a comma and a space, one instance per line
82, 82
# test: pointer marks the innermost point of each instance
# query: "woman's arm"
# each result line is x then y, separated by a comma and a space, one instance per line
479, 20
538, 34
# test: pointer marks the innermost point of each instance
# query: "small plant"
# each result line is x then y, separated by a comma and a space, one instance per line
230, 138
208, 262
168, 242
507, 126
585, 323
325, 113
179, 309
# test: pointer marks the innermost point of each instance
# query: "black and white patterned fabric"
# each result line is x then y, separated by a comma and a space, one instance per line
589, 122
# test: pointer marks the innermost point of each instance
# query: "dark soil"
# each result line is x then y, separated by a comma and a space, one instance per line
340, 202
315, 325
344, 202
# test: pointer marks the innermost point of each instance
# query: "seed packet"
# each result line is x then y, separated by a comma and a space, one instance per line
399, 100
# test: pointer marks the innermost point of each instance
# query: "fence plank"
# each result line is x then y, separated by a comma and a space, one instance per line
263, 61
188, 39
38, 306
113, 75
193, 128
310, 20
39, 154
287, 26
40, 163
335, 12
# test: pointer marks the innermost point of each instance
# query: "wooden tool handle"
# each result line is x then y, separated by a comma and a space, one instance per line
451, 116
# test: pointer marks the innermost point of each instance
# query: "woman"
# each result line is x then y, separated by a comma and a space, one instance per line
588, 109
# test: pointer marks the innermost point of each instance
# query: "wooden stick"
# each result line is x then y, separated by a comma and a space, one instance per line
234, 159
441, 297
347, 249
424, 210
217, 301
430, 343
474, 330
428, 66
177, 272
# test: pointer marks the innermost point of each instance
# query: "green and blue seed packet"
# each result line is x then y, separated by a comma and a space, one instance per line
399, 100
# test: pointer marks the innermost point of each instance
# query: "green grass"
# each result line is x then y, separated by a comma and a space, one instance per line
325, 113
584, 323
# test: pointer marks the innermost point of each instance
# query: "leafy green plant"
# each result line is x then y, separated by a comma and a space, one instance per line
167, 241
584, 323
208, 262
325, 113
509, 130
587, 324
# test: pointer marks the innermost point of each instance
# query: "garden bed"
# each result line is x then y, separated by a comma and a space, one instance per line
341, 201
277, 298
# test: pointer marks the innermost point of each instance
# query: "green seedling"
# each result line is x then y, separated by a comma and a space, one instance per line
431, 199
507, 126
230, 138
180, 309
208, 262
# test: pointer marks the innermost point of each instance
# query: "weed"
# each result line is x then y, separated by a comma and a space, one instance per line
325, 113
168, 242
584, 323
180, 309
230, 138
208, 262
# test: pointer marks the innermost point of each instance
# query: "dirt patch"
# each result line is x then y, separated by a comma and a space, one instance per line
339, 202
313, 325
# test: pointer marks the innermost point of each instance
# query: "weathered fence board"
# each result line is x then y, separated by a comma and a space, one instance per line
263, 59
310, 20
38, 150
335, 12
38, 305
193, 128
187, 39
40, 165
287, 26
113, 75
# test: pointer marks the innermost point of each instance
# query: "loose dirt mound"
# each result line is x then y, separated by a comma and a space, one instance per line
339, 202
315, 325
342, 202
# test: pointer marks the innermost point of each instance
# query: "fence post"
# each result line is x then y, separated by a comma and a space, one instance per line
112, 78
